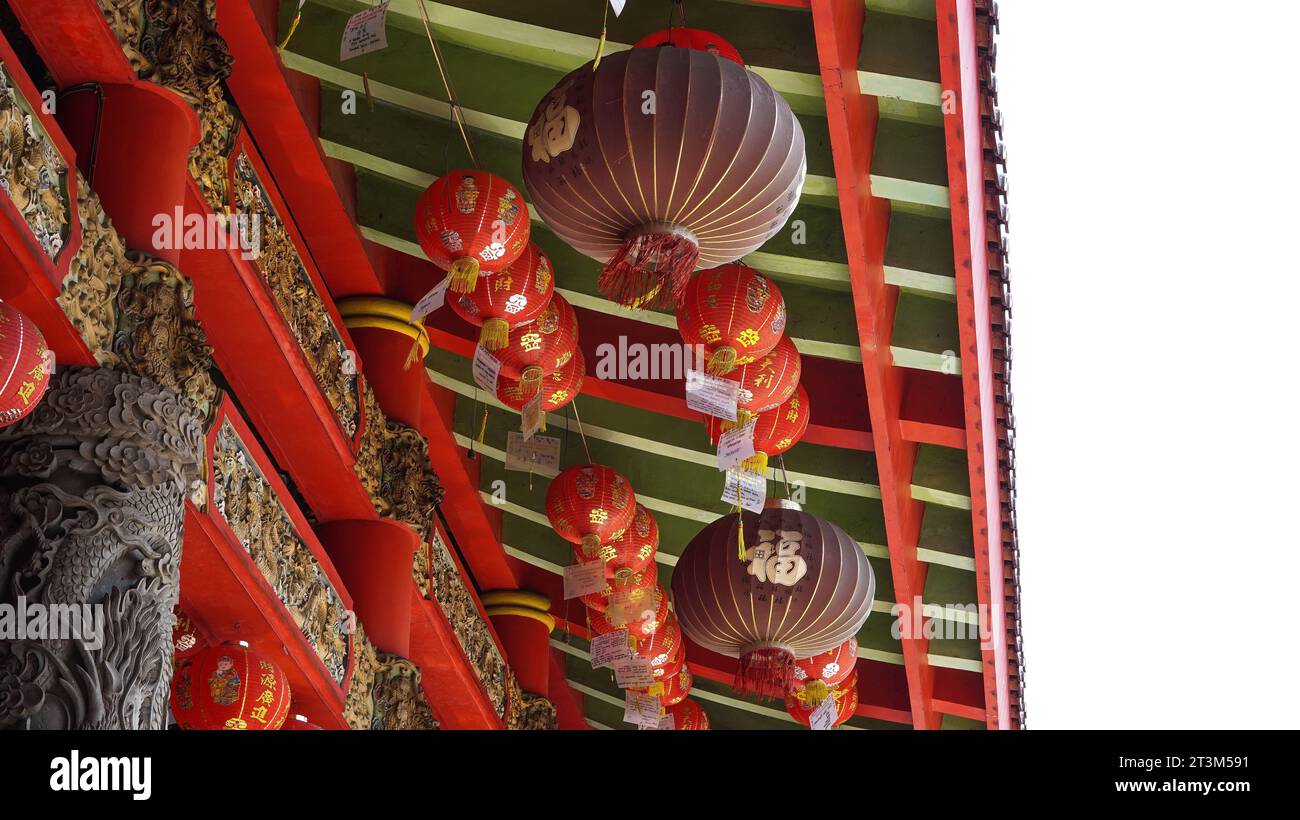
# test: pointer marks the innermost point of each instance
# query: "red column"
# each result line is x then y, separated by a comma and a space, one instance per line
374, 558
138, 138
385, 339
523, 621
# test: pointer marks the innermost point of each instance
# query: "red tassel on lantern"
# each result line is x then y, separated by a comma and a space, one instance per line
513, 297
735, 313
469, 222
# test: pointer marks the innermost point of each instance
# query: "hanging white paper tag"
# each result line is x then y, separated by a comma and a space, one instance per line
735, 445
641, 709
609, 649
487, 368
430, 301
666, 724
618, 6
823, 717
539, 454
584, 579
627, 606
532, 415
635, 673
365, 32
711, 394
752, 488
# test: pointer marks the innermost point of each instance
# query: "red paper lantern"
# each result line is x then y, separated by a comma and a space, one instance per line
775, 431
558, 388
187, 641
24, 369
470, 221
766, 383
736, 313
688, 716
662, 160
676, 687
804, 587
695, 38
590, 505
542, 346
230, 687
661, 646
846, 701
646, 579
815, 677
634, 550
511, 298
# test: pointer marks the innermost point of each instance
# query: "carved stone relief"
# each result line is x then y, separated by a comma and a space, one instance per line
32, 172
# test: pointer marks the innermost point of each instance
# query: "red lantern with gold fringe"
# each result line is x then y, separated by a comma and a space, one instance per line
558, 388
590, 505
766, 383
230, 687
801, 707
735, 313
512, 298
710, 175
634, 550
688, 716
543, 346
815, 677
677, 687
775, 431
24, 371
471, 221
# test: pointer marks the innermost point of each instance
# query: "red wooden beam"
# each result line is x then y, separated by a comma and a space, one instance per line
959, 72
852, 117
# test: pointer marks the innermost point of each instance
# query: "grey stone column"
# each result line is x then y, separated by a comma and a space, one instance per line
92, 502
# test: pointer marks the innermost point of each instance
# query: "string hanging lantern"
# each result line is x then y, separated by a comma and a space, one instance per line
543, 346
735, 313
803, 587
775, 431
659, 160
589, 505
515, 296
470, 222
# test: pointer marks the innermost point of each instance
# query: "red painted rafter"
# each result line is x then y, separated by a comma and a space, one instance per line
852, 117
959, 71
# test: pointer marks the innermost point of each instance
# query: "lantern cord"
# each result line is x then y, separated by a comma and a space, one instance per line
457, 115
600, 46
581, 434
297, 18
785, 477
740, 525
482, 427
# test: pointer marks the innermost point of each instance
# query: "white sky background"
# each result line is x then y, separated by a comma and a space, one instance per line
1152, 156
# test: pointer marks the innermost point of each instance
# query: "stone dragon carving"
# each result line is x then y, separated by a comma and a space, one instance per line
92, 489
32, 172
248, 503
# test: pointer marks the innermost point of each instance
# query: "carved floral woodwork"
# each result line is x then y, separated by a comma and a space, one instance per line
458, 604
92, 489
32, 172
399, 702
219, 125
359, 708
534, 713
301, 308
250, 506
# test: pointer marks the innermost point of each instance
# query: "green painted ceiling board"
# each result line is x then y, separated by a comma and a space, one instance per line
894, 108
910, 151
898, 45
929, 326
942, 470
956, 653
945, 586
948, 531
920, 9
961, 723
920, 243
877, 634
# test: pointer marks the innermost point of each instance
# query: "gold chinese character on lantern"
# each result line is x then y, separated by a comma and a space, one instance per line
25, 391
531, 342
776, 559
598, 516
559, 396
748, 337
710, 333
502, 282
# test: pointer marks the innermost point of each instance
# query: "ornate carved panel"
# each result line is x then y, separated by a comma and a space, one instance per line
32, 172
173, 43
249, 504
399, 702
457, 603
359, 709
300, 305
92, 489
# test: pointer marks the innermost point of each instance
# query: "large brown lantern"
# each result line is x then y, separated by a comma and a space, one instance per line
804, 587
660, 161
